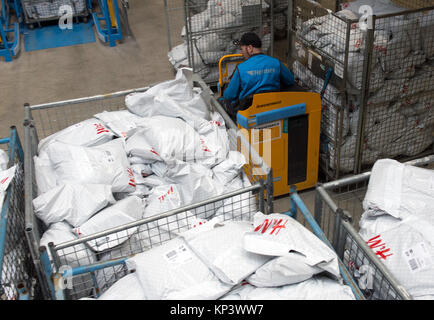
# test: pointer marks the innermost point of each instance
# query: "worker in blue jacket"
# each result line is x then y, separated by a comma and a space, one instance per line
259, 73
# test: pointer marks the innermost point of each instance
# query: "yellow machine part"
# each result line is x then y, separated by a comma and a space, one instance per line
273, 144
112, 13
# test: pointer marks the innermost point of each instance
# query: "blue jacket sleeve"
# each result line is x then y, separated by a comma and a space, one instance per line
286, 76
233, 90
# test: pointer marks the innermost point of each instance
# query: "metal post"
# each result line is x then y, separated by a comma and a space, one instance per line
169, 39
364, 99
48, 271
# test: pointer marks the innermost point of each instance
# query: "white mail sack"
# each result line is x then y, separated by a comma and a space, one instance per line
284, 270
316, 288
172, 271
87, 133
45, 173
6, 177
407, 253
103, 164
74, 203
163, 199
77, 255
400, 189
222, 251
278, 234
195, 181
168, 139
127, 210
122, 123
126, 288
174, 98
4, 160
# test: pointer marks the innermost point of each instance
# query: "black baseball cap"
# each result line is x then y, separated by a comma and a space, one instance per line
249, 38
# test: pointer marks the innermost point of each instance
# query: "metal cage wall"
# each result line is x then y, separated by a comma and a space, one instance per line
18, 279
378, 102
208, 29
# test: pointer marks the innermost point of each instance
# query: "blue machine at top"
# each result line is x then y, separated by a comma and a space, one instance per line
9, 32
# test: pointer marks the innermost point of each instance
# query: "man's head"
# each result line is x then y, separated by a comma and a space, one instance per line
250, 44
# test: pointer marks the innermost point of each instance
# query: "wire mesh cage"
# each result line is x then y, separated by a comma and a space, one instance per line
378, 101
17, 273
338, 210
46, 119
209, 28
45, 10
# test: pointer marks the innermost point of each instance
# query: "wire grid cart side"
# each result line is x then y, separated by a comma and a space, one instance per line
378, 101
45, 119
308, 221
338, 208
208, 29
36, 11
17, 274
97, 277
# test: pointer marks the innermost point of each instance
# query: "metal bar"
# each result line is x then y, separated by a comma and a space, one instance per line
366, 77
94, 267
88, 99
157, 217
169, 39
364, 176
46, 264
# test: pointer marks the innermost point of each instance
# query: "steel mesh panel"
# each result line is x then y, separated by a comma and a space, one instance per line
17, 268
382, 86
209, 29
135, 240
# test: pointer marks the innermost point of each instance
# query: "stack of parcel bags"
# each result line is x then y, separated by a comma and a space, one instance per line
167, 150
398, 225
400, 115
274, 257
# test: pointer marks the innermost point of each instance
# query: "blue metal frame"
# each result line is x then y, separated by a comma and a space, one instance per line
108, 34
14, 144
9, 49
296, 203
272, 115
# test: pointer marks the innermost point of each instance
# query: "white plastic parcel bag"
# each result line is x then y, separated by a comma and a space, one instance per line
163, 199
77, 255
400, 189
126, 288
4, 160
127, 210
122, 122
167, 139
87, 133
222, 251
174, 98
278, 234
172, 271
280, 271
227, 170
45, 173
316, 288
74, 203
103, 164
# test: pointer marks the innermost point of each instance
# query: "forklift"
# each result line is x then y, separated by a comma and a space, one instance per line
283, 127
